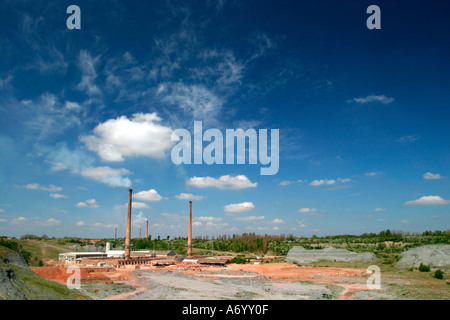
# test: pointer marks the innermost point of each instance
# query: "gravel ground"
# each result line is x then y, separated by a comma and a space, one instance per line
178, 286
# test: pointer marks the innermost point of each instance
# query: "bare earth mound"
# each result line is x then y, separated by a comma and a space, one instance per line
437, 255
300, 255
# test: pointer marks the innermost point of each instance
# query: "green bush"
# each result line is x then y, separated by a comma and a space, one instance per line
439, 274
239, 260
424, 268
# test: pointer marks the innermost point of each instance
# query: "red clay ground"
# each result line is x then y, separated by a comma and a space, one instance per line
352, 280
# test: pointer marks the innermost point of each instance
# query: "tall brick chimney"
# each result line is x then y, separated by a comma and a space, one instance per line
128, 234
189, 244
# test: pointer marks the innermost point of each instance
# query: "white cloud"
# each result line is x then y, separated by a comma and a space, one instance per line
405, 221
250, 218
5, 82
428, 200
150, 195
105, 225
36, 186
410, 138
174, 216
196, 100
88, 204
139, 136
239, 207
224, 182
1, 210
312, 211
316, 183
379, 209
277, 221
197, 224
208, 219
49, 222
87, 65
285, 183
372, 174
107, 175
432, 176
302, 224
211, 224
80, 223
134, 205
307, 210
373, 98
188, 196
18, 220
139, 219
57, 196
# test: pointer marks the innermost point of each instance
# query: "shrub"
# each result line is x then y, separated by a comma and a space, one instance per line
424, 268
238, 260
439, 274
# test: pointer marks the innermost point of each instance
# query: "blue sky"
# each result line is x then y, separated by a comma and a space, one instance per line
363, 116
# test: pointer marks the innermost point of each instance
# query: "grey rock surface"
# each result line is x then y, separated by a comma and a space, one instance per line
435, 255
300, 255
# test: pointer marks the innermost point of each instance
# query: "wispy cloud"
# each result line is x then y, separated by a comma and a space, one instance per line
108, 175
57, 196
410, 138
49, 222
36, 186
372, 174
316, 183
87, 65
189, 196
372, 98
432, 176
250, 218
312, 211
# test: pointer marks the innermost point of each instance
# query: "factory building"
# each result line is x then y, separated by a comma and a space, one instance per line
74, 256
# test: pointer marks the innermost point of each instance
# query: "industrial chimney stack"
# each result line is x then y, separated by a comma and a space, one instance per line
128, 234
189, 244
146, 231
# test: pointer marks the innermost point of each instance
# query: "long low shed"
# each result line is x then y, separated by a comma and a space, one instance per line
73, 256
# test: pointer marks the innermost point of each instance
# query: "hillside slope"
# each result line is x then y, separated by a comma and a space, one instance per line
18, 282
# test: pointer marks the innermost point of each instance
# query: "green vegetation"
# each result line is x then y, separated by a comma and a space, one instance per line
239, 260
424, 268
177, 245
386, 244
439, 274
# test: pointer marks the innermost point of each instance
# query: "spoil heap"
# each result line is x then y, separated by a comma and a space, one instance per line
437, 255
300, 255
